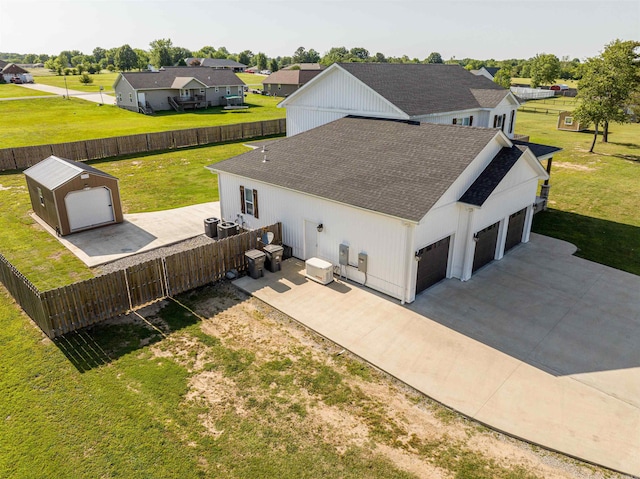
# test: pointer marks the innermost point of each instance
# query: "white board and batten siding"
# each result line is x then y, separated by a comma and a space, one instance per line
341, 95
381, 237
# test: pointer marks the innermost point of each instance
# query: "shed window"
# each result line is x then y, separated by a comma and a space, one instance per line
498, 121
40, 196
466, 121
249, 201
568, 120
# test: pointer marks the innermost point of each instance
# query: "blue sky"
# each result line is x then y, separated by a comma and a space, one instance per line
476, 29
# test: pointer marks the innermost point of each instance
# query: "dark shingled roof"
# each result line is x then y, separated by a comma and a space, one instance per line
390, 167
492, 70
13, 69
291, 77
492, 175
538, 149
420, 89
163, 79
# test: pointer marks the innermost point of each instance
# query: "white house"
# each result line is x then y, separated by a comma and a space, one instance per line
421, 201
432, 93
487, 72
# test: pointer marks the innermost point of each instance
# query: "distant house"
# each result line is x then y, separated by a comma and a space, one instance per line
305, 66
177, 88
71, 196
253, 69
413, 203
567, 122
216, 63
432, 93
12, 73
285, 82
487, 72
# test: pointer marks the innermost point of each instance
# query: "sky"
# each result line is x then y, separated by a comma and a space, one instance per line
479, 29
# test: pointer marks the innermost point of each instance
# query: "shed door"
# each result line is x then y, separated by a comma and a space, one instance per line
432, 266
515, 229
485, 246
310, 239
90, 207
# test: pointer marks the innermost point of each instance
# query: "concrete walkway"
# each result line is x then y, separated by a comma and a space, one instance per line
89, 96
138, 233
541, 345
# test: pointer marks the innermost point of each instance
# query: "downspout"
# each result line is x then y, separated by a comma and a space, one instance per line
407, 263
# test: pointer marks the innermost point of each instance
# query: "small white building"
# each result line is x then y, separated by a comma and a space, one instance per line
432, 93
422, 202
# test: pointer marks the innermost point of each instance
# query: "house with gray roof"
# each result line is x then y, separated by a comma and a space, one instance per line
487, 72
421, 202
284, 82
432, 93
217, 63
177, 88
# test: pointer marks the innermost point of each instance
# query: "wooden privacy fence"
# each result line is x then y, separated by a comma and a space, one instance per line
68, 308
26, 156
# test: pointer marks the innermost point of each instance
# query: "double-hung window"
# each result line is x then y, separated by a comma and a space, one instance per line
249, 201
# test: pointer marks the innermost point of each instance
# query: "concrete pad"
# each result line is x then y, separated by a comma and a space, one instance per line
541, 345
138, 233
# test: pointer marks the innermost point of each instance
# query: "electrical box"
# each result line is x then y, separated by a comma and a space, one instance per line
344, 255
362, 262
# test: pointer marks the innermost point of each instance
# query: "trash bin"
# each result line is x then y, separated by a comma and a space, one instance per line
274, 257
211, 227
256, 258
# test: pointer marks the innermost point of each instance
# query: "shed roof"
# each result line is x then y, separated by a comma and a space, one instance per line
53, 172
421, 89
164, 79
540, 151
291, 77
390, 167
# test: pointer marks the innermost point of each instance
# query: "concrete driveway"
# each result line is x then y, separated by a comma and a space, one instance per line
94, 97
541, 345
138, 233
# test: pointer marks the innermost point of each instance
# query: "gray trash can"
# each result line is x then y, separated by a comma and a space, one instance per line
256, 258
274, 257
211, 227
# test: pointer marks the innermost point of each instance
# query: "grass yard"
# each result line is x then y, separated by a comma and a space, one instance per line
8, 90
227, 387
527, 81
38, 121
551, 105
594, 198
103, 79
252, 80
48, 264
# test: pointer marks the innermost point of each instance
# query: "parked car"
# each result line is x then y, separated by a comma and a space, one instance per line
16, 80
559, 87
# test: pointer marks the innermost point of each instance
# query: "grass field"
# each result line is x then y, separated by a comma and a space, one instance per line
252, 80
103, 79
13, 91
38, 121
527, 81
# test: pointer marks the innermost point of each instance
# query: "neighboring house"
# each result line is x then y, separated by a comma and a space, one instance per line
305, 66
216, 63
177, 88
12, 73
254, 69
422, 202
487, 72
71, 196
567, 122
285, 82
432, 93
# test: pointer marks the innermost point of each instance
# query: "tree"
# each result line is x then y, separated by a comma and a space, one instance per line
161, 52
261, 60
99, 54
434, 57
360, 53
303, 56
205, 52
273, 65
179, 55
143, 59
85, 79
545, 68
608, 84
245, 57
379, 58
221, 52
335, 55
125, 59
503, 78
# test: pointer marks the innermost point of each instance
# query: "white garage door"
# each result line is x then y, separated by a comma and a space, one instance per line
90, 207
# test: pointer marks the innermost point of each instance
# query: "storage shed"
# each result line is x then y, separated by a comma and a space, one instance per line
567, 122
71, 196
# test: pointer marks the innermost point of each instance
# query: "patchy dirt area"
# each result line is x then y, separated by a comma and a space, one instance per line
254, 363
573, 166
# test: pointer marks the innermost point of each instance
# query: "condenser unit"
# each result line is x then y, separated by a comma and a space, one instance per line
319, 270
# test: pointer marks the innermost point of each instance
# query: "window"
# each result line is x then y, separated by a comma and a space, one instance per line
217, 89
40, 196
119, 97
184, 93
228, 90
131, 97
279, 86
498, 121
249, 201
466, 121
568, 121
202, 91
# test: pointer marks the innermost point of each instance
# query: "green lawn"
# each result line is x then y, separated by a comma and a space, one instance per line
594, 198
252, 80
38, 121
8, 90
104, 79
553, 105
527, 81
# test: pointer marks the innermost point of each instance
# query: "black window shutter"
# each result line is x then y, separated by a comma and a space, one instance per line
471, 120
454, 121
513, 114
495, 120
504, 120
243, 207
255, 204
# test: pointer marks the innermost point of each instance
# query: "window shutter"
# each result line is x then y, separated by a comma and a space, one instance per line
471, 120
504, 120
243, 207
513, 113
255, 203
495, 120
454, 121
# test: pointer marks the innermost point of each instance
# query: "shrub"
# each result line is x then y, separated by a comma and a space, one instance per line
67, 71
85, 79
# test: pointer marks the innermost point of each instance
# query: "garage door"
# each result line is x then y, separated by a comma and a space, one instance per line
432, 266
515, 229
485, 246
90, 207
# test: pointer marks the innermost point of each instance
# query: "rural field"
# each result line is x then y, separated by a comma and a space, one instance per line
217, 384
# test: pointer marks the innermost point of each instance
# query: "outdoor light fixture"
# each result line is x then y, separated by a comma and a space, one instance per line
320, 227
475, 237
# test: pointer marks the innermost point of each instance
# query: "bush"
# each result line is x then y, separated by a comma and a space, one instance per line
111, 68
85, 79
67, 71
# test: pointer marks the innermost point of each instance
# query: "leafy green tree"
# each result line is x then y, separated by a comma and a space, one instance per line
205, 52
334, 55
434, 57
261, 61
221, 53
64, 58
99, 54
360, 53
126, 59
379, 58
179, 55
85, 79
273, 65
161, 52
303, 56
143, 59
545, 68
245, 57
503, 78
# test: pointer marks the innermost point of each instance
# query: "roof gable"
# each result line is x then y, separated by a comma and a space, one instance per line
390, 167
13, 69
54, 171
181, 83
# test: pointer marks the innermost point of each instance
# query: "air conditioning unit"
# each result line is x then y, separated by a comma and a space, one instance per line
319, 270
